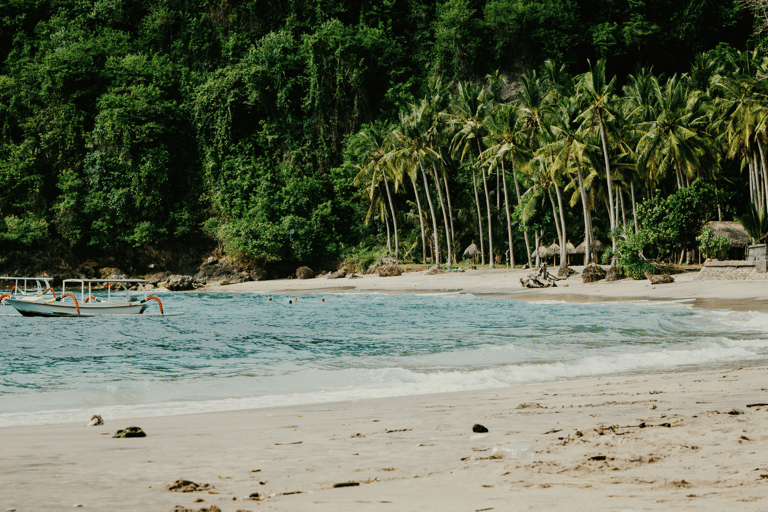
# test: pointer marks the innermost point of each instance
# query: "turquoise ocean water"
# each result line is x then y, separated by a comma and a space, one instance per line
240, 351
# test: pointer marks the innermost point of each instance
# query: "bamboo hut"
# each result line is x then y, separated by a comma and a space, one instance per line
542, 252
569, 249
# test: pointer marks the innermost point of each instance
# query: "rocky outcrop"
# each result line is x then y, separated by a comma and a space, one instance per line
223, 271
662, 279
179, 283
304, 273
593, 273
613, 274
112, 273
338, 274
434, 271
389, 271
566, 272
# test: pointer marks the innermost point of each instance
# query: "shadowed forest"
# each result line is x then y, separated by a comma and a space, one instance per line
312, 131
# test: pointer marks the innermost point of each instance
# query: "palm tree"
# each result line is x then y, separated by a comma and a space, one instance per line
375, 144
598, 92
505, 142
468, 109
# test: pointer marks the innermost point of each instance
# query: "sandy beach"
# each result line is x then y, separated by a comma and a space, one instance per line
687, 440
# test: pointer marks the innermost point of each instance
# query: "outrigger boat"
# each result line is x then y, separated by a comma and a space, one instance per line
40, 303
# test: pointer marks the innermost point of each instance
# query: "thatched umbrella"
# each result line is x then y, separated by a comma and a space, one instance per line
554, 249
569, 249
473, 251
580, 249
542, 252
596, 247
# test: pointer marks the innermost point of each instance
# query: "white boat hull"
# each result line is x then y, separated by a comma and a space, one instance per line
59, 308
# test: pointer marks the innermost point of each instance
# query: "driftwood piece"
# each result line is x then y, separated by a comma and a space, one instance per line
662, 279
540, 279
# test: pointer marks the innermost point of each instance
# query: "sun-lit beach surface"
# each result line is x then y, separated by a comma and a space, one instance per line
646, 403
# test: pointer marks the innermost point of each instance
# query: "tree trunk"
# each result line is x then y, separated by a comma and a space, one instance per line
490, 227
432, 212
421, 222
488, 207
479, 214
608, 178
623, 211
557, 224
394, 217
537, 240
509, 220
450, 212
563, 255
389, 236
445, 214
525, 231
498, 196
587, 240
634, 205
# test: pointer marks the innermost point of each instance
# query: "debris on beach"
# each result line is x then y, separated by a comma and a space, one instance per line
661, 279
182, 485
540, 279
531, 405
95, 421
389, 271
182, 508
130, 432
254, 496
337, 275
346, 484
434, 271
478, 428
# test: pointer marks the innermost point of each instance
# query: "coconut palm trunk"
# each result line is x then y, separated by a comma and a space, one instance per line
389, 236
450, 211
634, 205
538, 241
557, 221
608, 178
445, 214
394, 217
432, 212
587, 230
488, 208
479, 215
564, 239
421, 221
509, 219
525, 231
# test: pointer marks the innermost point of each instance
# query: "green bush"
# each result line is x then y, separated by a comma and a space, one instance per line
711, 245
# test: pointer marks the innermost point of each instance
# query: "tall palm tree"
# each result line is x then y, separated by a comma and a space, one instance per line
375, 144
469, 107
600, 111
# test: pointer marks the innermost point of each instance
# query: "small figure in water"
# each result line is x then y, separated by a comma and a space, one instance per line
296, 299
322, 300
270, 299
290, 302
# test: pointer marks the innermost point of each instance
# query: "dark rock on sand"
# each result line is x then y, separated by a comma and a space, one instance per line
566, 272
112, 273
182, 485
130, 432
157, 278
735, 412
479, 428
254, 496
304, 273
613, 274
389, 271
661, 279
592, 273
338, 274
434, 271
181, 508
223, 271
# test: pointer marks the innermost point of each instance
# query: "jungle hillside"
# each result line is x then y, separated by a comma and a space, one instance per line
308, 132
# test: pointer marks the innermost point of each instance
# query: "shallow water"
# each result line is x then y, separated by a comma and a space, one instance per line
238, 351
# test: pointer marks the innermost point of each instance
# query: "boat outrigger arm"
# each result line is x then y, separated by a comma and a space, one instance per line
40, 303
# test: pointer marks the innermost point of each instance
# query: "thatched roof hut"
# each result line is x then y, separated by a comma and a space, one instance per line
733, 231
597, 247
580, 249
553, 249
542, 251
570, 249
472, 250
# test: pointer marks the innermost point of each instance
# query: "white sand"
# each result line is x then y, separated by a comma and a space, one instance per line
421, 454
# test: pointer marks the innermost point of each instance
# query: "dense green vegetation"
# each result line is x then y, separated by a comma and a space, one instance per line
264, 126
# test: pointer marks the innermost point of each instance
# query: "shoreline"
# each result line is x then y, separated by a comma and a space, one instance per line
685, 438
615, 442
710, 294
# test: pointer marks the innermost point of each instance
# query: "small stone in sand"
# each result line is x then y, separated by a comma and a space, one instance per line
130, 432
253, 496
199, 500
479, 428
735, 412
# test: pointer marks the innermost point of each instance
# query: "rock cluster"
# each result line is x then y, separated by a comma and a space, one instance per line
613, 274
593, 273
337, 275
662, 279
304, 273
389, 271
